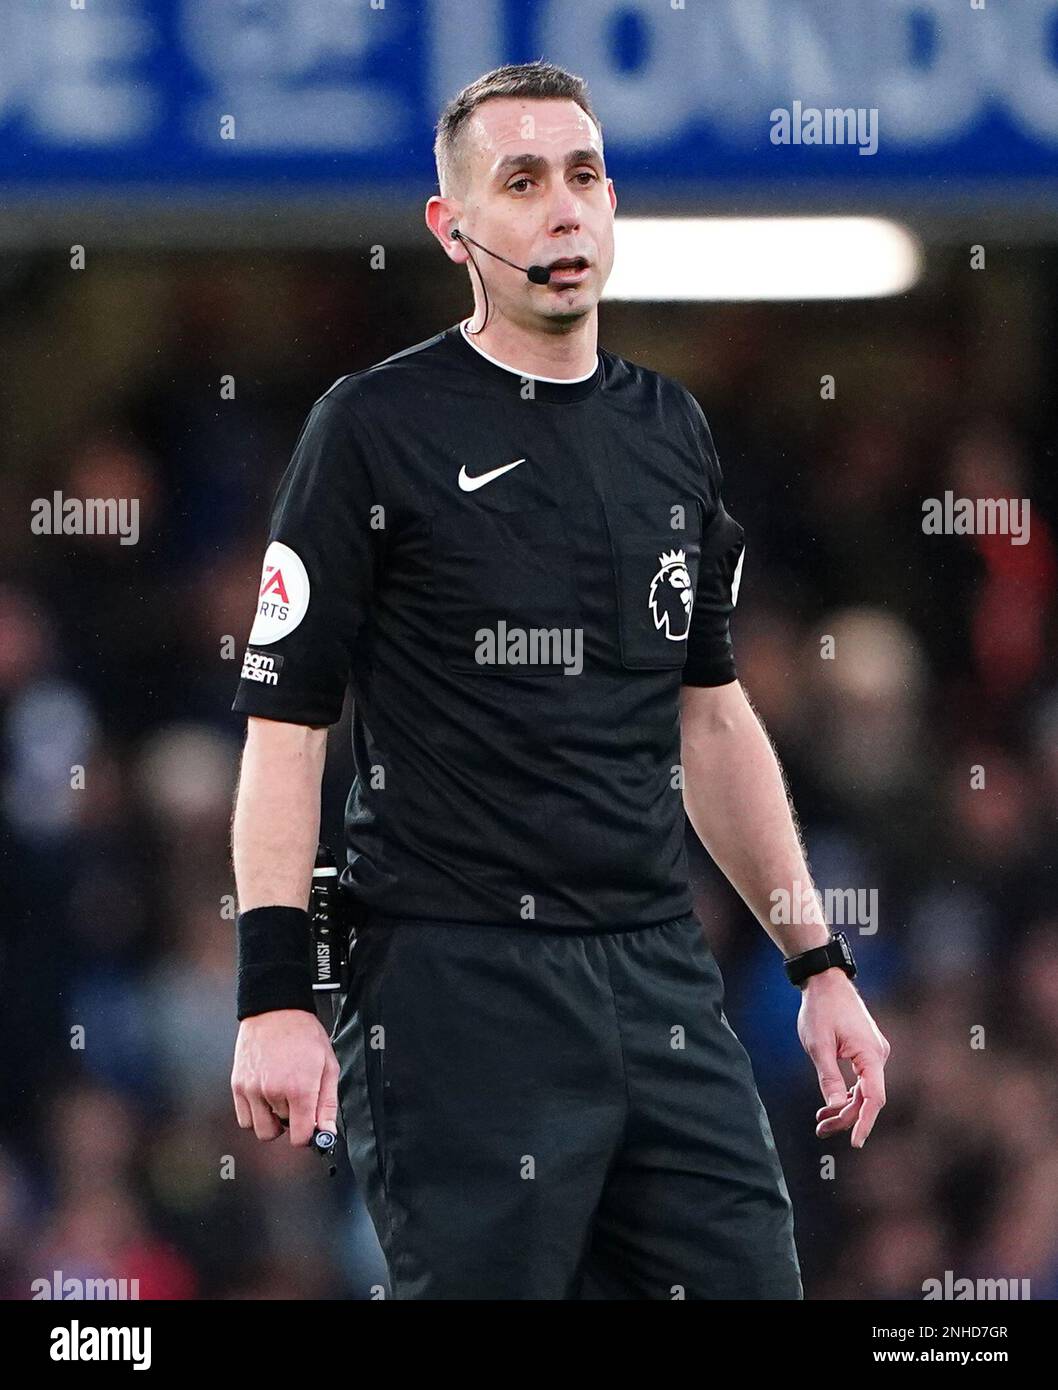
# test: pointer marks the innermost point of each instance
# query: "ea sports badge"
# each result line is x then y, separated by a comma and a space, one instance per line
283, 599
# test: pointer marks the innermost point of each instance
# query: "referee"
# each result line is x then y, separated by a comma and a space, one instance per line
510, 545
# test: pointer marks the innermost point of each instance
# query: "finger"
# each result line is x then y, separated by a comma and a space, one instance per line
302, 1114
327, 1106
842, 1121
870, 1074
874, 1099
826, 1111
831, 1082
243, 1114
265, 1121
832, 1119
865, 1123
850, 1092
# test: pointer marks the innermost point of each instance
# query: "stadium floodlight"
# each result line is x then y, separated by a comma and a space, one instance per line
761, 258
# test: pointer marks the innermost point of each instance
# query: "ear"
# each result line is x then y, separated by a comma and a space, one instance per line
442, 215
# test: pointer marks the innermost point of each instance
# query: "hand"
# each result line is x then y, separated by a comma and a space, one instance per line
285, 1068
833, 1023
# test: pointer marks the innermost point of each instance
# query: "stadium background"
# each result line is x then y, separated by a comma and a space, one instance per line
203, 261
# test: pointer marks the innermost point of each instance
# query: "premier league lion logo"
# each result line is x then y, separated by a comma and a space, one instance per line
671, 596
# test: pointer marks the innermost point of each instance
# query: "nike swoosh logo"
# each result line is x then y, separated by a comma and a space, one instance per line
469, 484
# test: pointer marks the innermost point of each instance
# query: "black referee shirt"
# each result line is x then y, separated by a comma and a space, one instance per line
513, 576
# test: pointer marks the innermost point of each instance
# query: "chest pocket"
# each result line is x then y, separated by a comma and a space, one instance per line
503, 591
655, 574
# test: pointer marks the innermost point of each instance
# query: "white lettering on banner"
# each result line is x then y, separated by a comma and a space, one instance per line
79, 74
307, 75
733, 61
275, 66
1030, 46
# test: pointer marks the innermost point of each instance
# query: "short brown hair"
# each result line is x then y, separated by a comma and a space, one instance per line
537, 79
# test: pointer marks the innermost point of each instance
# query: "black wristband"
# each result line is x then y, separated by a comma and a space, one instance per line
274, 968
814, 961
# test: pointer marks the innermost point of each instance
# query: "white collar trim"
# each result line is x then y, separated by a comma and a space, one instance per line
557, 380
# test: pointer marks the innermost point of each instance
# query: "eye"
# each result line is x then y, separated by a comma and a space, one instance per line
522, 179
587, 173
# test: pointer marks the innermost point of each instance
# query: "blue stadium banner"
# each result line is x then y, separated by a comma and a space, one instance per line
287, 94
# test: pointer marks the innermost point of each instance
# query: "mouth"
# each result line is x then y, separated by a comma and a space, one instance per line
568, 270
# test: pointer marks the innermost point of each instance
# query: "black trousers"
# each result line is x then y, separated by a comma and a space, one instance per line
535, 1114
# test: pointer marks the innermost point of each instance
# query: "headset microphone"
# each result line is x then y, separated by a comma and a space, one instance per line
538, 274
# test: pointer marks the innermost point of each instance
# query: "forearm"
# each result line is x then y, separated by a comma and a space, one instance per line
276, 824
275, 831
737, 802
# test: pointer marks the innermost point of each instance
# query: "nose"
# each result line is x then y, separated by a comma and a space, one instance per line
564, 212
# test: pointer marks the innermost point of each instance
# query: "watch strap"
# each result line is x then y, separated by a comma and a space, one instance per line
836, 951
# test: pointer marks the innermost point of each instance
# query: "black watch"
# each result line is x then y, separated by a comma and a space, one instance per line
837, 952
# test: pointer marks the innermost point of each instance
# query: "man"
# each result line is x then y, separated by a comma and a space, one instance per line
512, 547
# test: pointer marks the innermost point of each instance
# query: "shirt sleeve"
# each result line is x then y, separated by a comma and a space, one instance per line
710, 655
318, 575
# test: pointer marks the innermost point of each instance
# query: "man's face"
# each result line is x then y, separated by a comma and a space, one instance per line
536, 192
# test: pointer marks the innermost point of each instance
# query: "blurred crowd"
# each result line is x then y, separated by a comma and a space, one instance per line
908, 681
